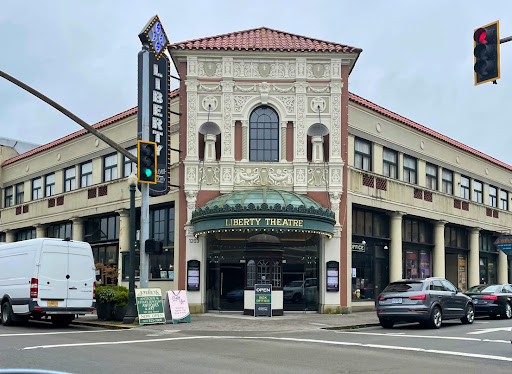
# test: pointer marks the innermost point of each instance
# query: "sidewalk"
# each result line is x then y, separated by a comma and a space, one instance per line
236, 321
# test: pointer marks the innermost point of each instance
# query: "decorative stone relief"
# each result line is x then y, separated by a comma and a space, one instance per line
246, 88
317, 102
210, 88
301, 119
226, 175
318, 90
263, 69
288, 102
283, 90
210, 101
317, 177
228, 123
239, 102
335, 200
209, 175
191, 118
336, 126
335, 68
191, 198
227, 62
300, 176
191, 66
318, 70
263, 176
210, 69
191, 174
336, 177
336, 88
301, 67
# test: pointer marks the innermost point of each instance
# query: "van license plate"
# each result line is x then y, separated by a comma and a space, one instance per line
52, 303
396, 300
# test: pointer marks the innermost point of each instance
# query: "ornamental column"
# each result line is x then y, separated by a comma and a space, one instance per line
40, 231
395, 253
78, 228
10, 236
439, 250
502, 267
474, 257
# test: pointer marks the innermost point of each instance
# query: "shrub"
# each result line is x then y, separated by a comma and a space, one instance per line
105, 294
121, 298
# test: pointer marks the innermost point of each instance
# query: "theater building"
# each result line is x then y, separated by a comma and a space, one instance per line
286, 178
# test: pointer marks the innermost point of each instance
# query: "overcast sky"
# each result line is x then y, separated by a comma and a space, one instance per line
417, 58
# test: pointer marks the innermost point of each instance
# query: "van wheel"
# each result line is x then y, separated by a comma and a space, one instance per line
436, 318
62, 321
7, 314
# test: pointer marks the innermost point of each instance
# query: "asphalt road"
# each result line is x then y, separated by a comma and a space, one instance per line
483, 347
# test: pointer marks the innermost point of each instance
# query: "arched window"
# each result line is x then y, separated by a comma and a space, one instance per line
264, 134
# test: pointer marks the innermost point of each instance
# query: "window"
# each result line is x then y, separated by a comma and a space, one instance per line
3, 237
126, 261
86, 174
493, 196
110, 167
102, 229
161, 267
49, 183
390, 165
37, 193
447, 181
417, 231
25, 234
464, 187
431, 173
20, 187
477, 191
129, 166
61, 231
363, 154
368, 223
503, 200
70, 179
8, 197
409, 169
264, 134
161, 225
456, 237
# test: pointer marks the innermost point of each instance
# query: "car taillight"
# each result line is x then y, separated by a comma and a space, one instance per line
490, 297
94, 291
418, 297
34, 288
381, 298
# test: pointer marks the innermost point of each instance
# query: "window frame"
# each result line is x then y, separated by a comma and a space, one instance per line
447, 182
71, 181
263, 146
49, 187
504, 201
493, 199
362, 156
478, 194
465, 189
431, 177
86, 175
408, 170
19, 195
110, 170
129, 165
8, 196
37, 192
387, 165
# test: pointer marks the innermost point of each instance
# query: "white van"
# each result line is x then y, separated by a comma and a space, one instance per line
46, 277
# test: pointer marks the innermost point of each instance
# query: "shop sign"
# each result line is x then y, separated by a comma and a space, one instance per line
266, 222
150, 307
358, 247
504, 243
178, 304
263, 300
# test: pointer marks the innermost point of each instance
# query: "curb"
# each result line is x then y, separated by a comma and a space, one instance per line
105, 325
352, 327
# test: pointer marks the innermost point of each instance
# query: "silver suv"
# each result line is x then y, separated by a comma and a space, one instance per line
427, 301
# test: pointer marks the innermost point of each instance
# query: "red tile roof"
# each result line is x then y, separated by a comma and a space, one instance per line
368, 104
263, 39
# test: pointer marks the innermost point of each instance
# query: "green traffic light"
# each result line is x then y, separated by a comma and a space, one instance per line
148, 172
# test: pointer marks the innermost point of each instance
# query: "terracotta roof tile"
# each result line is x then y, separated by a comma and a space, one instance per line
368, 104
263, 39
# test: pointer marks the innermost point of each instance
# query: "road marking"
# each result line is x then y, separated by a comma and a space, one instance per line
55, 333
494, 329
377, 346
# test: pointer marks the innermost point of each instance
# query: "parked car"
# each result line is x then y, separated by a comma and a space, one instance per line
46, 277
492, 299
428, 301
298, 290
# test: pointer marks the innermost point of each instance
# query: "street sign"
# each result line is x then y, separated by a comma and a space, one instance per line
262, 300
158, 91
150, 307
504, 243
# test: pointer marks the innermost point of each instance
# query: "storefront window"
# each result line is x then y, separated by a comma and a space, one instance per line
62, 231
162, 266
370, 271
488, 258
417, 264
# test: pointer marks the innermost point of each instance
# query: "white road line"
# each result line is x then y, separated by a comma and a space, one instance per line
399, 335
377, 346
54, 333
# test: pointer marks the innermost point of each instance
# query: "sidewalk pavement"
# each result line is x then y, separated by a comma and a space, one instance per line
236, 321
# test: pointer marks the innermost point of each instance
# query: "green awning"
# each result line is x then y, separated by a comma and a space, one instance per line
263, 210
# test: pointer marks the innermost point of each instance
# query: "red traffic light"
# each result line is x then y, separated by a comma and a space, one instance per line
480, 35
486, 50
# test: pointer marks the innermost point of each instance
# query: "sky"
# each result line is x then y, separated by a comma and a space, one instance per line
417, 58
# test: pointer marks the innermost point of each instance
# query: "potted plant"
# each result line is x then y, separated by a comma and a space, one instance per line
105, 302
120, 304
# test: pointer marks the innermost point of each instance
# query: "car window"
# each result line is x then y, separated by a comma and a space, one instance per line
437, 286
404, 287
482, 288
448, 286
507, 289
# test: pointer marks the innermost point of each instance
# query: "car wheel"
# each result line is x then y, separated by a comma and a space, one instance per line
436, 318
508, 311
386, 323
7, 314
469, 317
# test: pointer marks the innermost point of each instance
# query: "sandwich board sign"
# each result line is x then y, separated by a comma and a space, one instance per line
150, 307
263, 300
178, 305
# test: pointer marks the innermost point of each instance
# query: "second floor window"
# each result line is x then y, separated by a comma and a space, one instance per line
390, 163
161, 225
409, 169
37, 192
464, 187
503, 200
20, 187
477, 191
110, 167
264, 134
49, 183
448, 181
362, 154
69, 179
86, 174
129, 166
431, 176
493, 196
8, 197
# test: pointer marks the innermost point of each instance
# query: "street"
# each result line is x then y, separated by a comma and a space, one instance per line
481, 347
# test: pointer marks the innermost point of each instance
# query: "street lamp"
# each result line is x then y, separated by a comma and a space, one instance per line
131, 312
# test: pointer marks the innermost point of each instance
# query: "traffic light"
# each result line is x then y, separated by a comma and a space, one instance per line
487, 53
154, 247
146, 161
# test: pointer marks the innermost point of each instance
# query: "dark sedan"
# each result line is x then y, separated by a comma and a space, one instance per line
492, 299
428, 301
